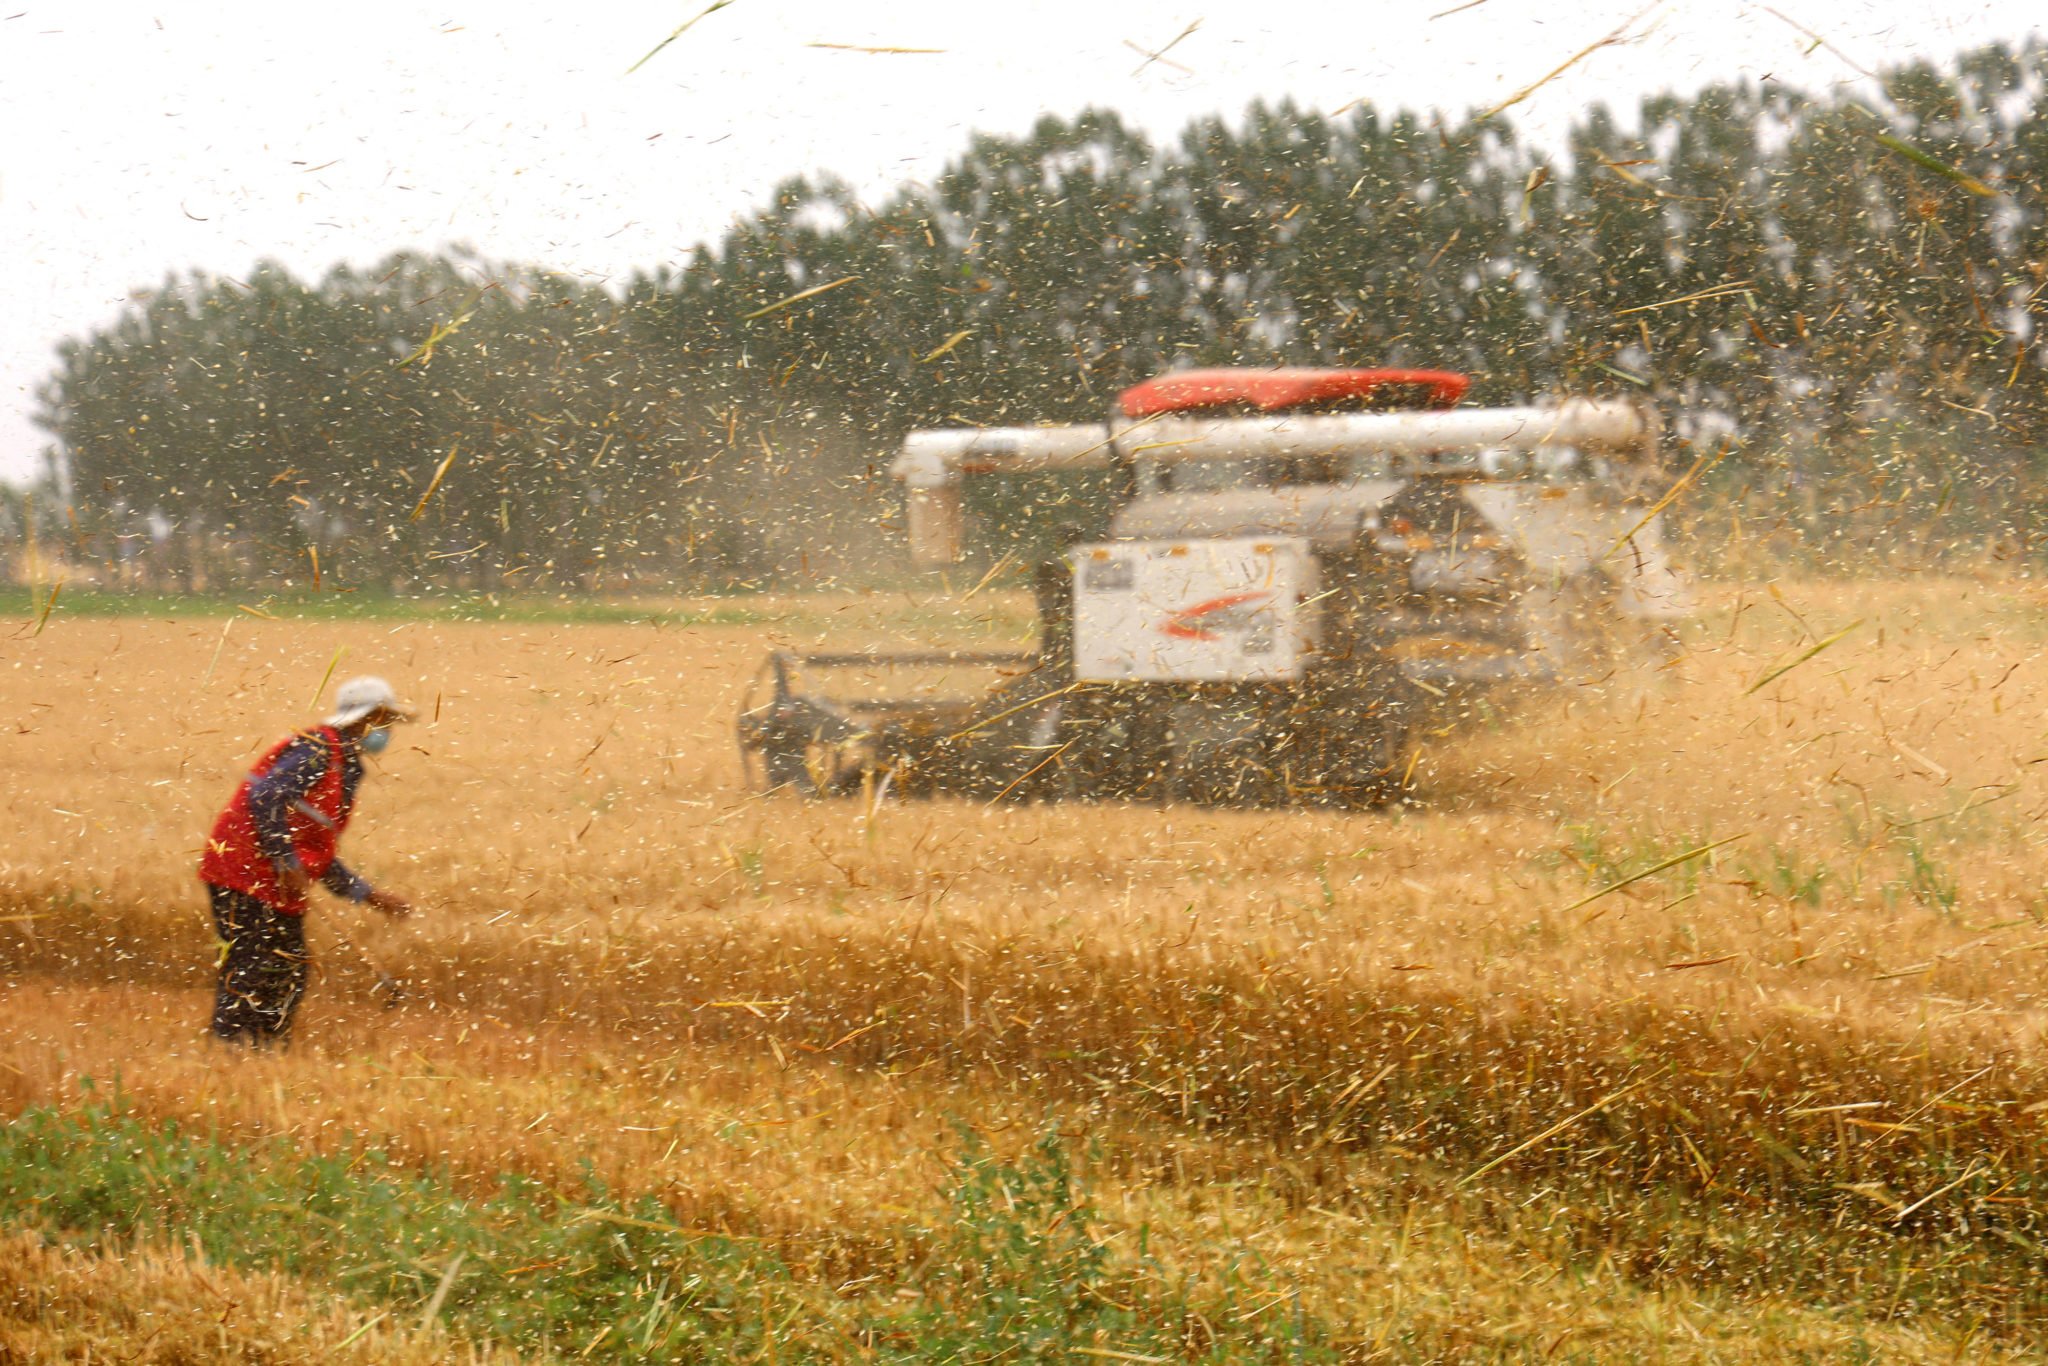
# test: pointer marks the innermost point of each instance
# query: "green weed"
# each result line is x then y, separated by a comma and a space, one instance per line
1928, 880
1605, 858
1791, 878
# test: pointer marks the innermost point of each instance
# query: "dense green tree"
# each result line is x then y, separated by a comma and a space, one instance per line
1855, 290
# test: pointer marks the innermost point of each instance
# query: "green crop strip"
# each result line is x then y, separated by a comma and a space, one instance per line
1017, 1270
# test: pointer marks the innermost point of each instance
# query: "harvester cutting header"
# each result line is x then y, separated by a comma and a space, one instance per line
1301, 566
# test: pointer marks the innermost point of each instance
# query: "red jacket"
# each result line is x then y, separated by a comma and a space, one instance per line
233, 857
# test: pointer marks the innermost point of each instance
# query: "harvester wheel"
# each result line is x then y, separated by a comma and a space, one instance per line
1219, 754
1365, 758
1114, 747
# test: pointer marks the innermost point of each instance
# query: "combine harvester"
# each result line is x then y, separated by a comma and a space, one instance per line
1303, 568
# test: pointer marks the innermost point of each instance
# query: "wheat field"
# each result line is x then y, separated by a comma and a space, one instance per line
1691, 1015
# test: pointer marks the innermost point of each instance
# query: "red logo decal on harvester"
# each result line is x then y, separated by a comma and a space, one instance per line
1213, 619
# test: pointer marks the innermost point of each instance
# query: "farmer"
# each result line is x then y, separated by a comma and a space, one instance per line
276, 837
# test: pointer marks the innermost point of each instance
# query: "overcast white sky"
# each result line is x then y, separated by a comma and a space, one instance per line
142, 139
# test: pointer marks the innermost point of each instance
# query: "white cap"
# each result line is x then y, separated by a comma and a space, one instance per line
359, 697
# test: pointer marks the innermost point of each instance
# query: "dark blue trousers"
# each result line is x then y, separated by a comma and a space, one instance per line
263, 970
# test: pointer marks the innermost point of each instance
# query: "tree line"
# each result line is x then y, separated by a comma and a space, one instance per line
1839, 301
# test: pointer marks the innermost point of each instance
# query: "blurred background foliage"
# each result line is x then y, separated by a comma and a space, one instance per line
1842, 300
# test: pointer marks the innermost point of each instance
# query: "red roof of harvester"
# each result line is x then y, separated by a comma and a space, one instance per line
1291, 388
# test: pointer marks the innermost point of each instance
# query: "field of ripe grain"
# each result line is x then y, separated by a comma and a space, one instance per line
1692, 1015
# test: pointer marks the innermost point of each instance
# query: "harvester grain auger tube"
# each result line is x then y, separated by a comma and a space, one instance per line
1433, 443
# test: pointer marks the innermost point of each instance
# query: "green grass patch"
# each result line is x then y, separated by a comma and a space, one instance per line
936, 620
1017, 1270
448, 606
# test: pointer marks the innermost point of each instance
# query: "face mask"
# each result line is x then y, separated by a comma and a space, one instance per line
374, 741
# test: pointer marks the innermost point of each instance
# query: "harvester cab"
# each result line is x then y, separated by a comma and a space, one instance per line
1307, 564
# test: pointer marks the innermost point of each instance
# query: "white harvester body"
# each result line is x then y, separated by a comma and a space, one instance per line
1221, 611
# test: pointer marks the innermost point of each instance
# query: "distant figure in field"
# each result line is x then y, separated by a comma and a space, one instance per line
274, 840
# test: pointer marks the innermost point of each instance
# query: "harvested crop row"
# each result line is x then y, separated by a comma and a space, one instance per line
1688, 1081
840, 1173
